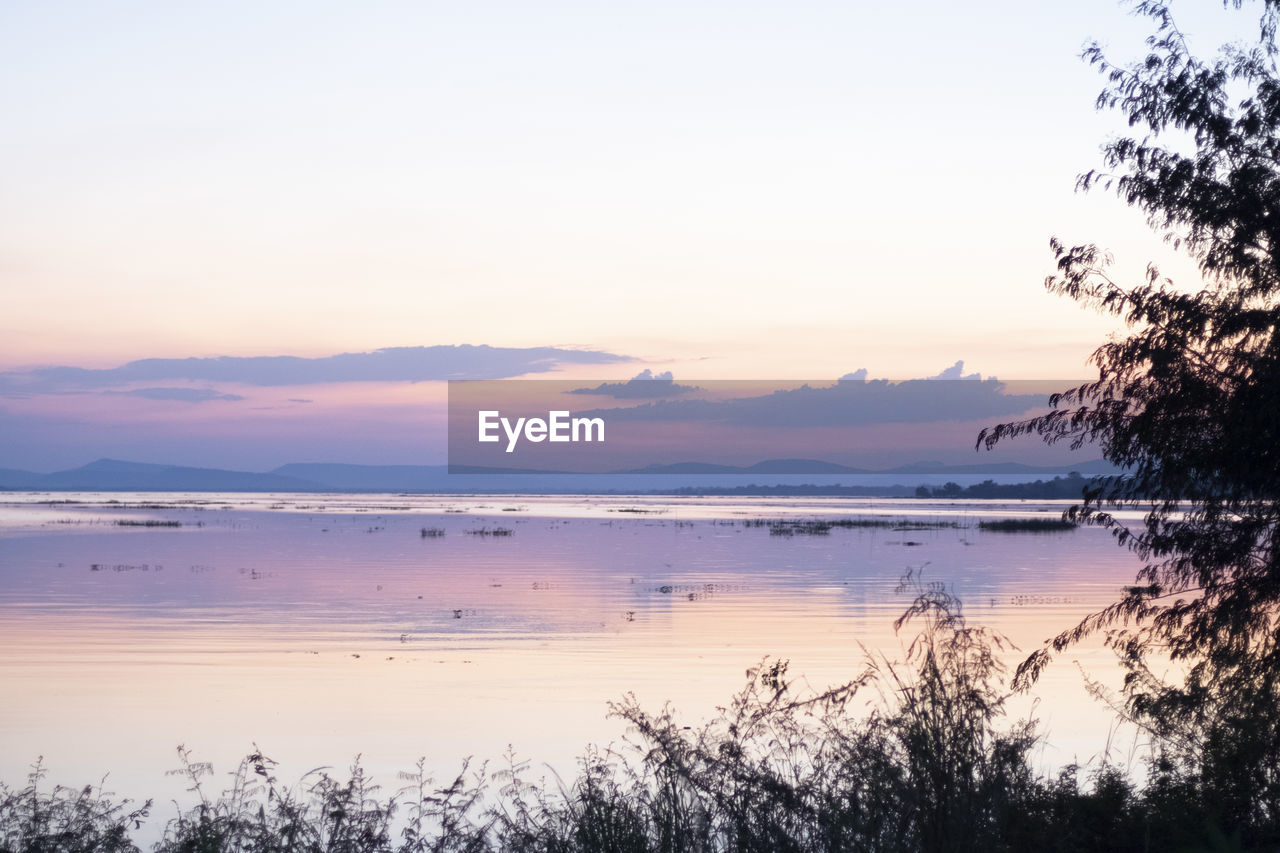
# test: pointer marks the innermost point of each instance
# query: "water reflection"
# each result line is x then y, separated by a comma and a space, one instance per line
320, 627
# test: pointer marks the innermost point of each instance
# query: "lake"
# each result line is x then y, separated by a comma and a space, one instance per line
321, 627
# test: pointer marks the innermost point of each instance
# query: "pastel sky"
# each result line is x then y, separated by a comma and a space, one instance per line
723, 190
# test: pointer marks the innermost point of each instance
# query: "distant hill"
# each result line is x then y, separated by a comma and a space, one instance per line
923, 468
769, 466
819, 477
1093, 467
115, 475
12, 478
381, 478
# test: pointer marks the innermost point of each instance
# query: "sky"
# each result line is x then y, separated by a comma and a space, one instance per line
720, 190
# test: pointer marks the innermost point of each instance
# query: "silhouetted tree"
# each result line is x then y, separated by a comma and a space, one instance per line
1189, 405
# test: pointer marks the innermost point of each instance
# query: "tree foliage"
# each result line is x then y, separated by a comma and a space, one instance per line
1188, 403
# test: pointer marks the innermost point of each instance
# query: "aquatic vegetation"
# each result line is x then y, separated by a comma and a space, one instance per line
490, 531
431, 532
1028, 525
150, 522
125, 567
824, 526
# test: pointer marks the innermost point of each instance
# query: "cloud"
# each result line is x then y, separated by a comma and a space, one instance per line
645, 385
181, 395
852, 401
391, 364
956, 371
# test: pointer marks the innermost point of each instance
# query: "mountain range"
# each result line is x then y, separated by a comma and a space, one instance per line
116, 475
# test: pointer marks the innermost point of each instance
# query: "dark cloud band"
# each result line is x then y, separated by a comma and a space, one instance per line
391, 364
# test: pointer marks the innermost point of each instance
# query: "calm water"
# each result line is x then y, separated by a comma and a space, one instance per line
322, 627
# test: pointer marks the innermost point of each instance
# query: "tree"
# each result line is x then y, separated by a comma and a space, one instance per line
1188, 404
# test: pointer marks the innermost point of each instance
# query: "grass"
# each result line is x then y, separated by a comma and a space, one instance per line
86, 819
151, 522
